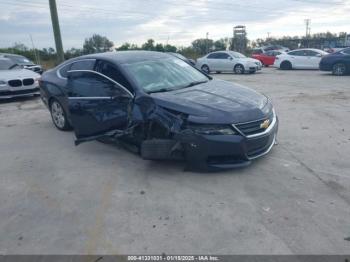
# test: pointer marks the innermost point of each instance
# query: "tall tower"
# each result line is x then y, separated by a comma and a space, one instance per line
239, 41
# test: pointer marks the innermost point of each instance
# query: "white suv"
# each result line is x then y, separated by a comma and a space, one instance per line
228, 61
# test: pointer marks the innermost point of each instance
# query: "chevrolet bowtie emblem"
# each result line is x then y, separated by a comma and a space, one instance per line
265, 124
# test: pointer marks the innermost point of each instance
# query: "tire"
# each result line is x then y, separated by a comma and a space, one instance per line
286, 65
205, 69
157, 149
239, 69
339, 69
59, 116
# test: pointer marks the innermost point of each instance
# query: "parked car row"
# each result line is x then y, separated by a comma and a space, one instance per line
337, 61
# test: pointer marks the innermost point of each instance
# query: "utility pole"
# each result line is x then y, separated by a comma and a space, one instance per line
37, 59
207, 44
308, 30
56, 30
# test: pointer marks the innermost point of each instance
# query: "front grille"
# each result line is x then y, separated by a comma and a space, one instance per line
28, 81
259, 145
15, 83
251, 128
18, 92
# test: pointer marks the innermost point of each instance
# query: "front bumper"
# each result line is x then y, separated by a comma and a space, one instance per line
5, 94
215, 152
325, 67
253, 68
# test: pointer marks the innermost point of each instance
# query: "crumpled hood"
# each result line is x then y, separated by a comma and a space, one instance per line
17, 74
216, 102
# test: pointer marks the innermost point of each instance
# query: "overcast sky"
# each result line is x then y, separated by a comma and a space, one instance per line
176, 21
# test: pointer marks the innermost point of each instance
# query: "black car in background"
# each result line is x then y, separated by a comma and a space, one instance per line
338, 63
161, 106
24, 62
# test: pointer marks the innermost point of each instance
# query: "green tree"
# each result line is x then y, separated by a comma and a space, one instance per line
97, 44
220, 44
159, 47
170, 48
202, 45
123, 47
149, 45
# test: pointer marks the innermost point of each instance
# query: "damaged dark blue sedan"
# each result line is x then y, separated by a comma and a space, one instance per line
162, 106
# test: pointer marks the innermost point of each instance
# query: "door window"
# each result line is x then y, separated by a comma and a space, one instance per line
311, 53
222, 56
297, 53
112, 72
346, 51
78, 65
90, 84
83, 65
213, 56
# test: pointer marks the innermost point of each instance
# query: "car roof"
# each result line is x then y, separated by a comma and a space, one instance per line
123, 57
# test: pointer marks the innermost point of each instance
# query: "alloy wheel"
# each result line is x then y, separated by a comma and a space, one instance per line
205, 69
58, 116
239, 69
339, 69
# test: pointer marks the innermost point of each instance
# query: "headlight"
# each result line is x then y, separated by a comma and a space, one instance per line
212, 129
2, 82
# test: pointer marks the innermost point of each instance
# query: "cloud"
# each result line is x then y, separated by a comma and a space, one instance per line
175, 21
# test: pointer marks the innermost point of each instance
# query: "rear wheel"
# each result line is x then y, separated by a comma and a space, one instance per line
59, 116
339, 69
205, 69
286, 65
239, 69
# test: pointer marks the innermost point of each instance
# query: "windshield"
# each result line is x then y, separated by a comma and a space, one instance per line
237, 55
7, 64
164, 74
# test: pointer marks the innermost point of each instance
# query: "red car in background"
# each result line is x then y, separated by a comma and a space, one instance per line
267, 58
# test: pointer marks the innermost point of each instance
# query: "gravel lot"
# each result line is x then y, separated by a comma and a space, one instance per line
56, 198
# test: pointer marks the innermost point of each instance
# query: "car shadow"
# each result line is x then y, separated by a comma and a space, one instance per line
18, 99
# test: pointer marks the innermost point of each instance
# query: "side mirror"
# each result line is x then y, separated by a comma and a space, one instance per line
230, 58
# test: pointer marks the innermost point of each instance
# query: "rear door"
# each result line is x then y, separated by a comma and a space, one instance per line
97, 104
313, 59
298, 59
212, 60
225, 62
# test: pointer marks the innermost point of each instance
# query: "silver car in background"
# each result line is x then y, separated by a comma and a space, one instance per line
228, 61
16, 81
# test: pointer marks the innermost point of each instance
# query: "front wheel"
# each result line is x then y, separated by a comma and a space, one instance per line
59, 116
205, 69
239, 69
339, 69
286, 65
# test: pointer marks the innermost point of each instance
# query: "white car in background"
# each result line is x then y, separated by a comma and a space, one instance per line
228, 61
307, 58
16, 81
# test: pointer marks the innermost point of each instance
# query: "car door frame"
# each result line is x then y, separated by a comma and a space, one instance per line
212, 62
313, 60
91, 98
